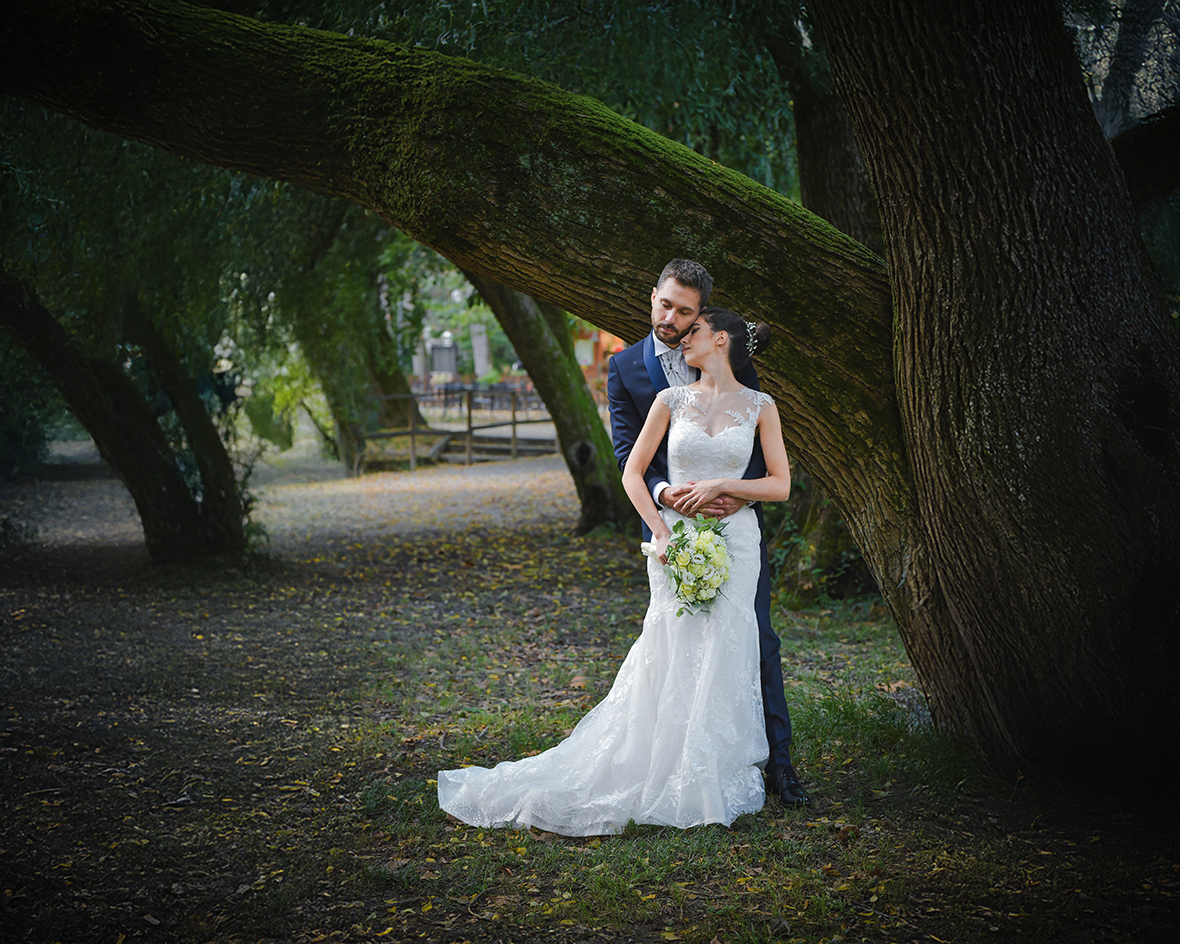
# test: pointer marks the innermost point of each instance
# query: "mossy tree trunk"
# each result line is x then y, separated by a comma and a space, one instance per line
540, 335
113, 411
996, 417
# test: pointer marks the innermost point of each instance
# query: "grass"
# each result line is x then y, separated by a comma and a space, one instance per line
304, 708
498, 688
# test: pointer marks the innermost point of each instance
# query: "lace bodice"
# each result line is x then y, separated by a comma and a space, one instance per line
710, 436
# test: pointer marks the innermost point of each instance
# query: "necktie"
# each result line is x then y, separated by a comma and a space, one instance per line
674, 367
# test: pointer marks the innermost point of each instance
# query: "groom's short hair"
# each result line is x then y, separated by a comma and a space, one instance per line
691, 275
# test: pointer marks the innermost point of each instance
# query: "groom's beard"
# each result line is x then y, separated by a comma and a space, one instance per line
673, 337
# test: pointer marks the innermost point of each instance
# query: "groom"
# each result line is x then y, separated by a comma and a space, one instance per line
634, 378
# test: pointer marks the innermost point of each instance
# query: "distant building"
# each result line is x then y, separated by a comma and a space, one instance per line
593, 349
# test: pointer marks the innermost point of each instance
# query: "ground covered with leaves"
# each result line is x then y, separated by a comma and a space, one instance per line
200, 754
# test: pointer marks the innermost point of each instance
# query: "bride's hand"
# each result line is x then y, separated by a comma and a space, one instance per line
662, 546
722, 507
699, 495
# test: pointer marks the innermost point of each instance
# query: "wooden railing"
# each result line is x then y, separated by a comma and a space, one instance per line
469, 396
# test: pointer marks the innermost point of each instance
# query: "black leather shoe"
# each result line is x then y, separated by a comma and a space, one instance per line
783, 784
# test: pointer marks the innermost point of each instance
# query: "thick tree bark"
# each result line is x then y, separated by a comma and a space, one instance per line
116, 416
1038, 384
546, 349
221, 505
1016, 500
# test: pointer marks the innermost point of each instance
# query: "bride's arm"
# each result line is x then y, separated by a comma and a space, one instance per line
641, 455
774, 486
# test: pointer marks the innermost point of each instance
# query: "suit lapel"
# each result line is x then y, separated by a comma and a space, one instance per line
651, 361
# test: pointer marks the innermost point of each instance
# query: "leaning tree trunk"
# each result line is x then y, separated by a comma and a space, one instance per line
1022, 447
1038, 383
547, 192
547, 354
114, 413
221, 504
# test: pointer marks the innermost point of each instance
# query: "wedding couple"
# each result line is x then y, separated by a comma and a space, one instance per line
697, 709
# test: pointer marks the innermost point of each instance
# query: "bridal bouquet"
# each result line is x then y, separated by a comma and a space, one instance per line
698, 562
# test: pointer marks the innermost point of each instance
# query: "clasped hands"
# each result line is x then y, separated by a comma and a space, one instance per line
690, 500
701, 498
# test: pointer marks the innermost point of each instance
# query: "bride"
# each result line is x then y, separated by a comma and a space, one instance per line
680, 738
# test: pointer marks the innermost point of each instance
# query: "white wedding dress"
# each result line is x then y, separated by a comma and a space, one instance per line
680, 737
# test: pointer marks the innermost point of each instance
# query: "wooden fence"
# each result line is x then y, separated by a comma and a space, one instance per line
470, 398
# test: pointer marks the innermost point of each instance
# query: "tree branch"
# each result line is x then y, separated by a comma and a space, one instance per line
1130, 48
548, 192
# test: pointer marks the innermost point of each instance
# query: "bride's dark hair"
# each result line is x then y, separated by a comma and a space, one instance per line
741, 348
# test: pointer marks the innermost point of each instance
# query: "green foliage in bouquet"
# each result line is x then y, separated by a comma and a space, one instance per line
698, 563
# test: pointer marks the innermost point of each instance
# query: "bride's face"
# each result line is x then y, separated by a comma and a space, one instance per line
699, 341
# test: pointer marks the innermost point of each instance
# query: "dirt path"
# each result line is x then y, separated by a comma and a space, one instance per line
179, 757
301, 498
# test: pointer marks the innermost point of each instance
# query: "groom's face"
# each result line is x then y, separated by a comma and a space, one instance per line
674, 308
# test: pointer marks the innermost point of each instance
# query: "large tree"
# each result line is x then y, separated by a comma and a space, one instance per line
1037, 378
996, 416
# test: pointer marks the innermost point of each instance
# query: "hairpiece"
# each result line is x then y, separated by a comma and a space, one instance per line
751, 341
